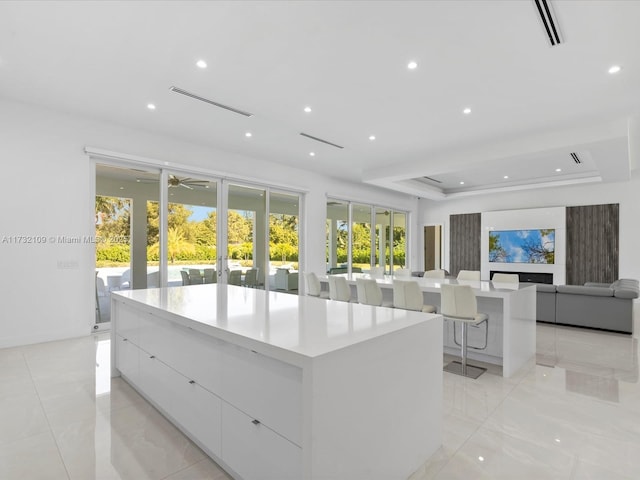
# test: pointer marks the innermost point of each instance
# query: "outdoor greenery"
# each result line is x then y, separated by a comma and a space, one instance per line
361, 244
188, 240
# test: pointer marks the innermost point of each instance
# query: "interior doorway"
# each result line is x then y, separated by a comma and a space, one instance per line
433, 247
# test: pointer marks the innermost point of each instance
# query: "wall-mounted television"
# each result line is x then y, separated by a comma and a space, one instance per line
522, 246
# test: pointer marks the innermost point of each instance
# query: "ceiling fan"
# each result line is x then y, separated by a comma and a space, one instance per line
175, 181
186, 182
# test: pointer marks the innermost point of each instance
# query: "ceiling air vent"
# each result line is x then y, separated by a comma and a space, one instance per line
320, 140
427, 180
549, 22
432, 179
210, 102
576, 158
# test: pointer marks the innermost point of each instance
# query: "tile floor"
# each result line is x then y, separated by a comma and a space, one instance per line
574, 414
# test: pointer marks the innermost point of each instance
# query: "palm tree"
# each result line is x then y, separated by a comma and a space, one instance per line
176, 244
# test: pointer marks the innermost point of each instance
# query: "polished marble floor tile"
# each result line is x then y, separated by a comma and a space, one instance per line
35, 458
571, 414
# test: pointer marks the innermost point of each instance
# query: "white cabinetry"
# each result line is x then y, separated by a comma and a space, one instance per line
195, 409
255, 451
264, 388
240, 406
281, 387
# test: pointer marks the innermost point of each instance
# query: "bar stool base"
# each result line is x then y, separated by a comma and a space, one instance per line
472, 371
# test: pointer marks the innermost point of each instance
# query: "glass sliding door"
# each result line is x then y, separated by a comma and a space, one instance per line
399, 240
360, 237
337, 227
191, 230
382, 242
284, 220
246, 235
122, 231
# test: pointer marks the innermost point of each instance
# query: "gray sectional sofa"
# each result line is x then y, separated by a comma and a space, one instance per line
594, 305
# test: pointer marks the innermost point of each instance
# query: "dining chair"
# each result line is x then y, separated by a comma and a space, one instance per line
235, 277
185, 278
369, 292
402, 273
469, 275
434, 274
195, 276
376, 272
251, 278
506, 278
314, 289
458, 303
210, 275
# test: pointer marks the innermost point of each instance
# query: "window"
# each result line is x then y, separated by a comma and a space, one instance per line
360, 236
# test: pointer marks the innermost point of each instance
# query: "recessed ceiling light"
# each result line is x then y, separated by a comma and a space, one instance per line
505, 177
151, 106
412, 65
615, 69
558, 169
481, 458
138, 180
248, 134
312, 154
121, 188
372, 137
201, 64
466, 111
307, 109
461, 183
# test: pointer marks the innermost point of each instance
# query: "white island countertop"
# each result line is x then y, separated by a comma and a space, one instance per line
293, 328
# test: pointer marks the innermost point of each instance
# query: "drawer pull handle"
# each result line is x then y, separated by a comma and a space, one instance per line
152, 356
255, 422
192, 382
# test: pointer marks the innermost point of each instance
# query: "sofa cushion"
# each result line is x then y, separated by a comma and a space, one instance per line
625, 283
625, 293
580, 290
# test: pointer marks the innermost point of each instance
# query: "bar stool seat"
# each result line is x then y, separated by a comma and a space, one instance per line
314, 288
459, 304
408, 296
339, 289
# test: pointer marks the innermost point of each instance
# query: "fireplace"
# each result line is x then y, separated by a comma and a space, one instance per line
531, 277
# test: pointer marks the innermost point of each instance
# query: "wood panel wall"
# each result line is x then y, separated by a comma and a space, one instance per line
464, 242
592, 243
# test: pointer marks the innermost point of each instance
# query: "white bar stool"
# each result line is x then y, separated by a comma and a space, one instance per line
458, 303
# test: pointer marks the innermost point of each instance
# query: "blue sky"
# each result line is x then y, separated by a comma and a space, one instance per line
199, 213
512, 241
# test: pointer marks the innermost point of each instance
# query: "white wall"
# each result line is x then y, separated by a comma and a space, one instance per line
47, 290
627, 194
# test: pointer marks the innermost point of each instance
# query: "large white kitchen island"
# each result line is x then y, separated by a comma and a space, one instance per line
279, 386
510, 333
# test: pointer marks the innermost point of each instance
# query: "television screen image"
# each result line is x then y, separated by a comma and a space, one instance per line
522, 246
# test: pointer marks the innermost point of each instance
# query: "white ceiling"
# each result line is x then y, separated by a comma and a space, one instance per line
532, 104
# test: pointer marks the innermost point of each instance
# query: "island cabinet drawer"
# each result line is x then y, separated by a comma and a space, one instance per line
256, 452
127, 359
191, 353
264, 388
128, 323
194, 409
